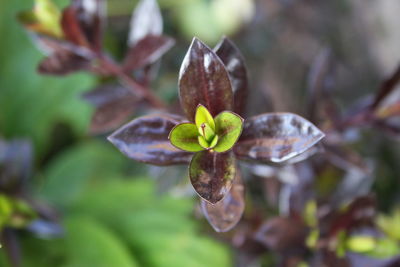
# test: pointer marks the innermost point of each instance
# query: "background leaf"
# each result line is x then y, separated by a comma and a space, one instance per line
146, 19
233, 60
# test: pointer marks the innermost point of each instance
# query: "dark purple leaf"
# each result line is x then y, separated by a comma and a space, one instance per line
147, 51
204, 80
233, 60
281, 234
212, 174
15, 165
146, 140
276, 137
82, 23
146, 20
359, 212
114, 104
62, 63
72, 28
224, 215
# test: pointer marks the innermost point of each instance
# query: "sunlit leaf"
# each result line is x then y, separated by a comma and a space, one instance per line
146, 140
233, 60
204, 80
147, 51
146, 20
212, 174
276, 137
228, 129
225, 214
184, 136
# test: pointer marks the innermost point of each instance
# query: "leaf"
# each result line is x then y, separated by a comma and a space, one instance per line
224, 215
276, 137
233, 60
114, 104
211, 174
146, 140
82, 23
184, 136
147, 51
281, 234
229, 127
204, 80
146, 20
44, 19
71, 26
86, 239
62, 63
204, 116
68, 174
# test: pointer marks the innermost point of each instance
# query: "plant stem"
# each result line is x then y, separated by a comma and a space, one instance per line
127, 80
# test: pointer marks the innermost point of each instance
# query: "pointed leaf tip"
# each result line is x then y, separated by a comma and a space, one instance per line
233, 60
276, 137
203, 79
225, 215
146, 140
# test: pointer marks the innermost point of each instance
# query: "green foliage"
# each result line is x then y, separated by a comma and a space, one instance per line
219, 135
228, 128
32, 104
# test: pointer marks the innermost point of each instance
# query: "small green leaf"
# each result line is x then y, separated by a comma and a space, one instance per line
228, 128
184, 136
204, 116
206, 131
361, 244
208, 145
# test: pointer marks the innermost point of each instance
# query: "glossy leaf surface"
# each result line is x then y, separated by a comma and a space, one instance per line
147, 51
146, 140
228, 128
211, 174
233, 60
146, 20
114, 104
276, 137
184, 136
224, 215
204, 80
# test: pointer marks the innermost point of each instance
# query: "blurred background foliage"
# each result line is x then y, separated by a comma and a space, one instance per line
119, 209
